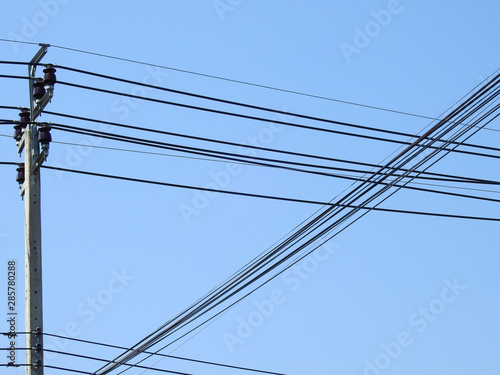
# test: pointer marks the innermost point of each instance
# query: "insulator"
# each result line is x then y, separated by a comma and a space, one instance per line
20, 174
44, 136
24, 117
38, 89
18, 132
49, 78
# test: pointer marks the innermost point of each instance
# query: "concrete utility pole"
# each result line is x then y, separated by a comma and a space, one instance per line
41, 91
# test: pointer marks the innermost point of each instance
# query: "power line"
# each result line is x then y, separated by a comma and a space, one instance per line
344, 176
252, 195
232, 102
13, 76
302, 126
248, 105
232, 80
450, 178
107, 360
98, 359
68, 370
256, 118
251, 159
255, 107
260, 148
76, 355
158, 144
487, 182
442, 177
168, 356
463, 112
368, 207
10, 107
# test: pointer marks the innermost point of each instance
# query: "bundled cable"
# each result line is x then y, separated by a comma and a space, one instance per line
330, 221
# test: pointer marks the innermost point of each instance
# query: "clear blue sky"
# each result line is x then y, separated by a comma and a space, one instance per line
393, 294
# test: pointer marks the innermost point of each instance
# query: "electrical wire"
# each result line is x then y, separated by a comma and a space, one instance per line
211, 110
358, 179
349, 224
349, 177
486, 182
256, 118
252, 195
468, 108
158, 144
249, 146
379, 182
244, 158
185, 359
269, 279
93, 358
450, 178
255, 107
68, 370
166, 355
231, 80
245, 105
13, 76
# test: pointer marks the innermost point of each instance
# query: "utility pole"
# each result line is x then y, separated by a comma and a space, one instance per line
29, 138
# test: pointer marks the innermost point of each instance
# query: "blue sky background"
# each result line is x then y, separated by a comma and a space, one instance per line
337, 313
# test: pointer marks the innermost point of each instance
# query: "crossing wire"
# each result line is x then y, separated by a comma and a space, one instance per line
263, 196
166, 355
248, 159
468, 108
263, 119
170, 147
302, 126
251, 106
249, 146
185, 359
